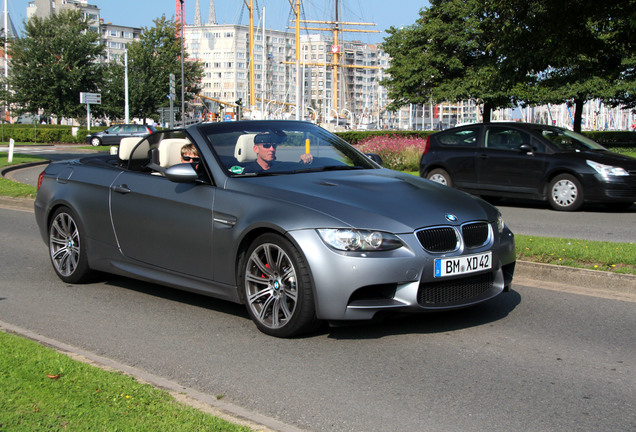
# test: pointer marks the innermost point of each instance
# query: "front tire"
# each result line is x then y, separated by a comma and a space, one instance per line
96, 142
565, 193
277, 286
440, 176
67, 249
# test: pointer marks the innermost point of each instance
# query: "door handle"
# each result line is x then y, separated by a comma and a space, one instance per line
122, 189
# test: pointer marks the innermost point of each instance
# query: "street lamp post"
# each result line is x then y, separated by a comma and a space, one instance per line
182, 71
126, 109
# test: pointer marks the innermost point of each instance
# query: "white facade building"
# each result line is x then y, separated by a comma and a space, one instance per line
224, 51
115, 38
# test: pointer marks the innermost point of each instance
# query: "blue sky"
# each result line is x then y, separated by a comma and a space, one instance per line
141, 13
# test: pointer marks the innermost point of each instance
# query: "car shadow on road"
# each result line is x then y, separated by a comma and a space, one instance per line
430, 323
177, 295
386, 325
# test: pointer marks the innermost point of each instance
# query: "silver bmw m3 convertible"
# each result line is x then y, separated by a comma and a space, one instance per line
281, 216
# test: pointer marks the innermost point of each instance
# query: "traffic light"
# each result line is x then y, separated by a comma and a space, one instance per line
239, 108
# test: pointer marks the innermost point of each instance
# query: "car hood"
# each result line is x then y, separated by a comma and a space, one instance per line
602, 156
370, 199
611, 158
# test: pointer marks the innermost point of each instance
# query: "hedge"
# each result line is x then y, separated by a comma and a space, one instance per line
43, 134
47, 134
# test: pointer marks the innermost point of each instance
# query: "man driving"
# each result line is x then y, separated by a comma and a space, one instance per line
265, 148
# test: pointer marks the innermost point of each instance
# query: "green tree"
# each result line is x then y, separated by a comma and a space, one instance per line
53, 63
151, 60
447, 55
571, 51
113, 97
501, 52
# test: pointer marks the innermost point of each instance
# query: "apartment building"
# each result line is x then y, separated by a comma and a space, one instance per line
358, 90
45, 8
113, 37
223, 50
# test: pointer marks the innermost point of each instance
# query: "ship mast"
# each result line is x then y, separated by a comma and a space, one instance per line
336, 27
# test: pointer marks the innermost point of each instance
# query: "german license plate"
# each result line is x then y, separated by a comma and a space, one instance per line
463, 264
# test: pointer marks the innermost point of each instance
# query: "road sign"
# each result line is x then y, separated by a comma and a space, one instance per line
90, 98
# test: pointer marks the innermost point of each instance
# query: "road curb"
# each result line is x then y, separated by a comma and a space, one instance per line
186, 395
17, 203
6, 170
582, 278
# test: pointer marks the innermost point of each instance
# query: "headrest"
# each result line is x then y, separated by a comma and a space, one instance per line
170, 151
244, 149
126, 146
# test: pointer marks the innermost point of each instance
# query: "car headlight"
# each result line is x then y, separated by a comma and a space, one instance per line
500, 223
607, 170
353, 240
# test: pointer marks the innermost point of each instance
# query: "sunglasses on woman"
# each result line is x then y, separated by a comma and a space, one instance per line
190, 158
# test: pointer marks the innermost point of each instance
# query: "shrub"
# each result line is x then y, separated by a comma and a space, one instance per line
43, 134
397, 153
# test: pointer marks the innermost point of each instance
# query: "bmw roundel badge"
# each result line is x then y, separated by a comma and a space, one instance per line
451, 217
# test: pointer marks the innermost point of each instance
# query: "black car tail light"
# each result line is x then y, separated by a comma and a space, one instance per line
427, 144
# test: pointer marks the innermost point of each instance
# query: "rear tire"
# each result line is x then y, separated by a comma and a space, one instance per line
565, 193
277, 286
67, 249
440, 176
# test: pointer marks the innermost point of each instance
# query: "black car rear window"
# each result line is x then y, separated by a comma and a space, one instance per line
459, 138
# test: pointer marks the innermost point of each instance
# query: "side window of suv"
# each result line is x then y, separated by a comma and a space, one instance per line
461, 138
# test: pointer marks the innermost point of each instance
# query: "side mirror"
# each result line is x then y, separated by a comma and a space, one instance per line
525, 148
375, 158
181, 173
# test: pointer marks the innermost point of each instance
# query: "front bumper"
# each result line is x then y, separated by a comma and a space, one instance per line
614, 189
356, 286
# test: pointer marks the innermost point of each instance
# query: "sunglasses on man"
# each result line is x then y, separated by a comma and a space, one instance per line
190, 158
266, 146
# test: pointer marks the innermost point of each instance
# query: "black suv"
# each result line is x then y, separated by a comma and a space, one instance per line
522, 160
114, 134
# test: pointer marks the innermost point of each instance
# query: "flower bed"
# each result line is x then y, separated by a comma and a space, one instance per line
397, 153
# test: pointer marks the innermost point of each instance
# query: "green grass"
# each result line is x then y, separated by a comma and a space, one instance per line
16, 189
41, 389
627, 152
594, 255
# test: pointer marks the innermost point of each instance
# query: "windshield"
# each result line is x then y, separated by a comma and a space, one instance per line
566, 140
255, 148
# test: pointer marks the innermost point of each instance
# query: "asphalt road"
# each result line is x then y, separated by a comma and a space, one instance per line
533, 359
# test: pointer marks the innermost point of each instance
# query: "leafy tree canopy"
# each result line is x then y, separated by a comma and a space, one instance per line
151, 60
53, 63
502, 51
